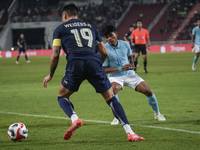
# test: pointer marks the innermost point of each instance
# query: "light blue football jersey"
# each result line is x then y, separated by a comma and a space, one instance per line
196, 33
118, 56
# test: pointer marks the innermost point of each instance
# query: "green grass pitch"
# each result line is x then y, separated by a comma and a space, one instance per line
170, 77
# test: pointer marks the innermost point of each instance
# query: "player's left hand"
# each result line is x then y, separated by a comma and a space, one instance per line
149, 48
46, 80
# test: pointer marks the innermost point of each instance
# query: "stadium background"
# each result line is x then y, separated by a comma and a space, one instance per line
23, 97
169, 22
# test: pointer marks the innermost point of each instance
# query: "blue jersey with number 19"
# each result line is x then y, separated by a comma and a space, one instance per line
78, 40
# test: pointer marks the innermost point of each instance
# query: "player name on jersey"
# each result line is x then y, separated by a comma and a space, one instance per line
76, 24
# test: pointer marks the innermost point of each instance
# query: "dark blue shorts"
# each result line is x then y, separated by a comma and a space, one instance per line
22, 50
78, 70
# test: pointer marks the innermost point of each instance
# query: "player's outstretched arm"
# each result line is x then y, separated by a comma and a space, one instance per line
104, 52
53, 64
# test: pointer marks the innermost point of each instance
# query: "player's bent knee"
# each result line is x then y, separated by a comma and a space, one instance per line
115, 91
148, 92
63, 92
108, 94
116, 87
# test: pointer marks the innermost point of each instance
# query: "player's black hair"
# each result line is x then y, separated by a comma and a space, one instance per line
131, 26
139, 21
107, 30
71, 10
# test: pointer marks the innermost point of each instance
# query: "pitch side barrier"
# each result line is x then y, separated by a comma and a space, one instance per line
154, 49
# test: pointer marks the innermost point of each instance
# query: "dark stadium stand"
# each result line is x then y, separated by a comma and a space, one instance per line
170, 21
97, 15
144, 12
3, 20
185, 34
100, 15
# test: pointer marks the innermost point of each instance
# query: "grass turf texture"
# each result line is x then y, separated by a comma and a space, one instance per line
170, 77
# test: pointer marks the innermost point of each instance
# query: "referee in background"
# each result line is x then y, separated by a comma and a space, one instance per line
22, 48
141, 38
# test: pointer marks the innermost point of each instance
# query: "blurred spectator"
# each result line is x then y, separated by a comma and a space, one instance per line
177, 12
34, 15
185, 34
98, 15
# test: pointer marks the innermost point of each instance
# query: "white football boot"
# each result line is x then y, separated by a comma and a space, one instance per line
159, 117
115, 121
193, 67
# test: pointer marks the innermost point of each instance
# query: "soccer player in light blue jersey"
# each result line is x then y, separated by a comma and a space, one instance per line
196, 42
119, 66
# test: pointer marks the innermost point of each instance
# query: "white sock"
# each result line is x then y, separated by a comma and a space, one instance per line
74, 117
128, 129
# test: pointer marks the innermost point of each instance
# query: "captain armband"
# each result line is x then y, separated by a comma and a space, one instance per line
57, 42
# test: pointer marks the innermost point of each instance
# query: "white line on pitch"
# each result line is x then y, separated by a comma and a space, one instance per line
98, 121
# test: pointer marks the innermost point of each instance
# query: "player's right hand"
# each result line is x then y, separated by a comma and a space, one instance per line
192, 45
127, 67
46, 80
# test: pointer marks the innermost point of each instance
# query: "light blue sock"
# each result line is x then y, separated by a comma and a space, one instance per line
153, 102
117, 97
195, 59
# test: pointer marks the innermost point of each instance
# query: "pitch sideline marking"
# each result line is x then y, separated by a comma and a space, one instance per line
98, 121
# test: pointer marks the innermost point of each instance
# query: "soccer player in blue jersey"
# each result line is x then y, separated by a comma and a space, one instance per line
196, 42
78, 40
21, 42
127, 38
119, 66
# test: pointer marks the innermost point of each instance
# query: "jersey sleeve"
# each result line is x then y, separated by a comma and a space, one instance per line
129, 51
147, 34
56, 37
193, 31
98, 38
133, 35
106, 62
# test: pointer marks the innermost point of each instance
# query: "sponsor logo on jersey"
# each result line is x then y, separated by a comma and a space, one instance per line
65, 81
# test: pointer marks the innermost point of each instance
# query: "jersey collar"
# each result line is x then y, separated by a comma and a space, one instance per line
114, 47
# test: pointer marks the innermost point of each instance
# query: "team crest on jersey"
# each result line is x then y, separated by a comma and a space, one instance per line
136, 37
142, 37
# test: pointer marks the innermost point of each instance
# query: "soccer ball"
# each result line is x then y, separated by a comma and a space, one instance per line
17, 132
